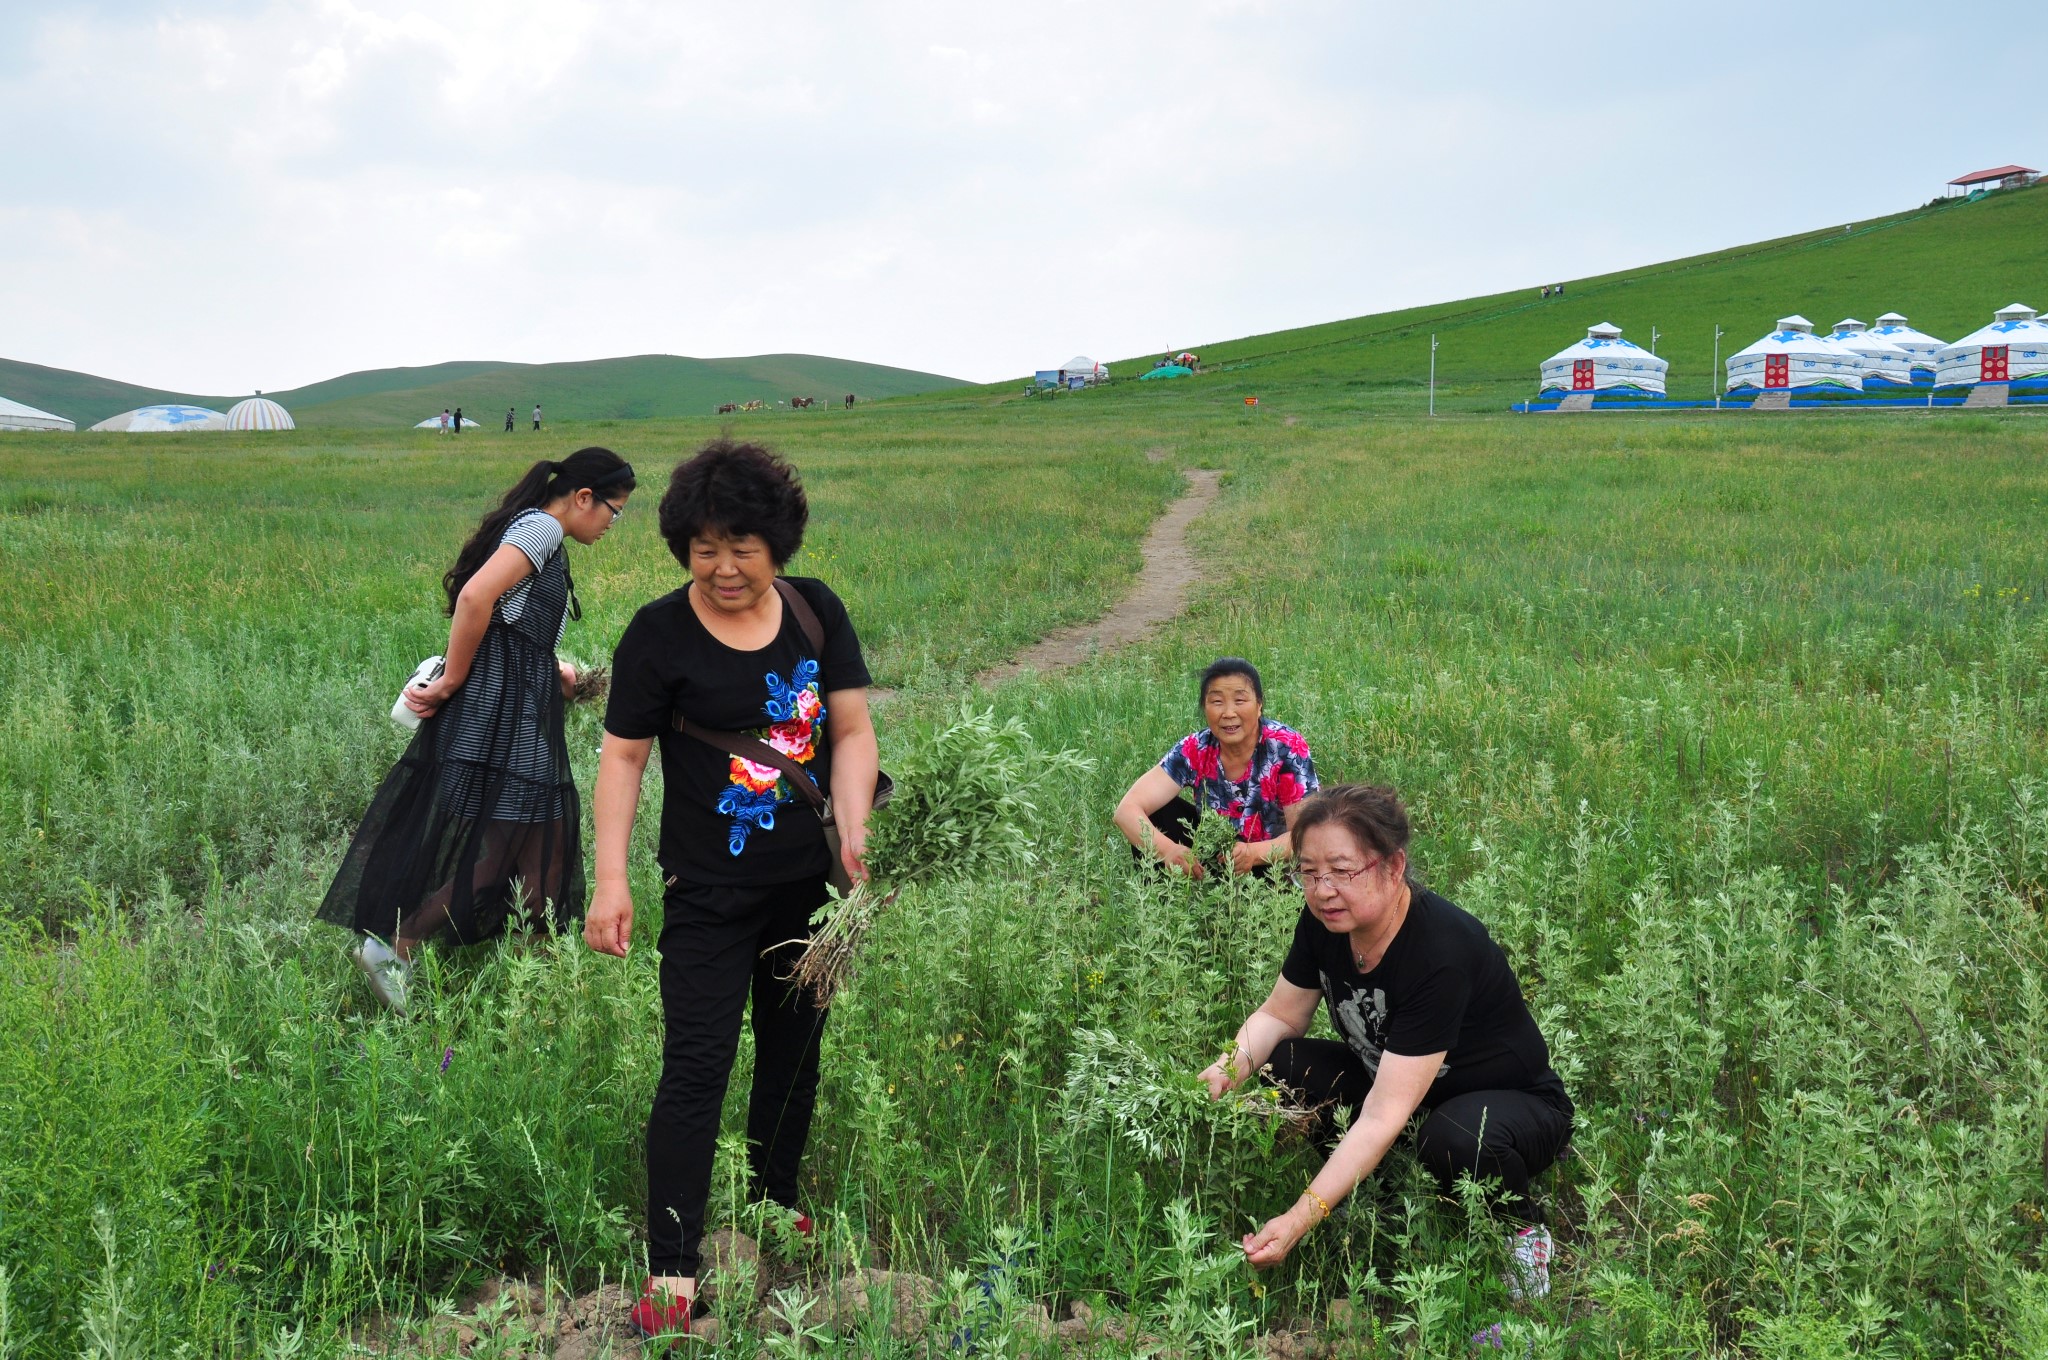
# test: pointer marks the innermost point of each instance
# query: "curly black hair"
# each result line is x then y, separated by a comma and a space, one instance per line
733, 489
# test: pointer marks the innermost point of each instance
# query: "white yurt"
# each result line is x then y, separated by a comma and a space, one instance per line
1882, 360
1921, 348
1603, 361
434, 423
2013, 346
15, 416
1085, 368
259, 413
1792, 357
168, 418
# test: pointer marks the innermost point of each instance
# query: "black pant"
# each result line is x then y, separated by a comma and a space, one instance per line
717, 944
1177, 821
1504, 1136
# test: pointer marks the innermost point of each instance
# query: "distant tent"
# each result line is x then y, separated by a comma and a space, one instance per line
259, 413
2013, 346
1792, 356
172, 417
434, 423
1084, 368
1921, 348
15, 416
1882, 360
1601, 361
1167, 371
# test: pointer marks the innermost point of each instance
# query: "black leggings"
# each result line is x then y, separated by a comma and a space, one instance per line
1504, 1136
717, 945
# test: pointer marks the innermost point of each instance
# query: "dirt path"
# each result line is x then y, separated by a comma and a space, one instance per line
1160, 593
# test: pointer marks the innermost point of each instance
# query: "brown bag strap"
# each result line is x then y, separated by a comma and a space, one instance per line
806, 617
761, 753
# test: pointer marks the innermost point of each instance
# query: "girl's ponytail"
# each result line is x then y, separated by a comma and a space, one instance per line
598, 469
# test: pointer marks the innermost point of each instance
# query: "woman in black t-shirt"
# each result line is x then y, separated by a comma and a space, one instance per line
742, 851
1431, 1016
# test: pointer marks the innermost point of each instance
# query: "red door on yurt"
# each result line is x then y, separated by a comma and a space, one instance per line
1582, 375
1777, 370
1996, 366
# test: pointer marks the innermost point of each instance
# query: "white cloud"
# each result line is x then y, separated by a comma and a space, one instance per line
221, 196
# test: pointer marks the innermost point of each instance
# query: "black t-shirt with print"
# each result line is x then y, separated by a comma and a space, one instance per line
1443, 986
723, 820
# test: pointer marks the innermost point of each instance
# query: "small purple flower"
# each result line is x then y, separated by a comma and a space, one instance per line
213, 1271
447, 1056
1491, 1339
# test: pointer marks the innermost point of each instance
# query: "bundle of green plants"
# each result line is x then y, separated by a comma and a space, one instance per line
966, 802
1116, 1086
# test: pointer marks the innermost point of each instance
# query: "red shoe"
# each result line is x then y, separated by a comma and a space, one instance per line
660, 1314
804, 1227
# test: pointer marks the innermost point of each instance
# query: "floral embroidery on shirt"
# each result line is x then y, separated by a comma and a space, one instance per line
795, 710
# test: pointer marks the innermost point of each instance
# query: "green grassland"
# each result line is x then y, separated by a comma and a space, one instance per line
1732, 730
1947, 266
640, 387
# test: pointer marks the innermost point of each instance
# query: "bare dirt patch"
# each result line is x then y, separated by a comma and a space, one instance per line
1161, 592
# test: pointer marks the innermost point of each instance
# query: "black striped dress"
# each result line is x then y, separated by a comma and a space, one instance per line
477, 826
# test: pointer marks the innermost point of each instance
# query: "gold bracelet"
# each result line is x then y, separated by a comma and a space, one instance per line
1321, 1203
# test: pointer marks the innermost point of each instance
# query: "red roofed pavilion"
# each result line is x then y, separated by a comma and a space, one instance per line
1997, 176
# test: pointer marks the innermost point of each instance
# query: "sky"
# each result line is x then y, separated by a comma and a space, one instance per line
221, 196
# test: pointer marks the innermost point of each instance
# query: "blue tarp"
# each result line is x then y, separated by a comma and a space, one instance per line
1168, 371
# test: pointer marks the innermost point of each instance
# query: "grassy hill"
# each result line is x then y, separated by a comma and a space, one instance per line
632, 388
1947, 267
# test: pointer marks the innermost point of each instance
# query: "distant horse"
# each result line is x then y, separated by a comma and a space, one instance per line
849, 401
799, 403
728, 408
753, 405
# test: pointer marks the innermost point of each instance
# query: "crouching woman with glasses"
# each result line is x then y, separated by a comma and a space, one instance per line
1431, 1018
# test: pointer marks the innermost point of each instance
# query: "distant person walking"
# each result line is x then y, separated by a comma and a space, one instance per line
444, 420
483, 799
510, 413
458, 420
536, 415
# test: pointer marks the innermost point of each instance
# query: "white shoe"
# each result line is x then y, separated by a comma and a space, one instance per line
389, 974
1529, 1271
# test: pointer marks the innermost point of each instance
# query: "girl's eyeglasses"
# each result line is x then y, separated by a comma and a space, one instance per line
616, 510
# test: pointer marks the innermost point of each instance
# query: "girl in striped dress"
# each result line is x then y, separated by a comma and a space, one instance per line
477, 826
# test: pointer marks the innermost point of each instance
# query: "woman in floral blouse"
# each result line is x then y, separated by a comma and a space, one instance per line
1243, 766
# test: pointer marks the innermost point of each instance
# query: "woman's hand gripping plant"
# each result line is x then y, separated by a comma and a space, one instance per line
966, 803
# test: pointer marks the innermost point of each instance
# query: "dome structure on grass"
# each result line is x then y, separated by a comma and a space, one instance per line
259, 413
169, 418
434, 423
1600, 362
2013, 346
15, 416
1084, 368
1791, 357
1922, 348
1882, 360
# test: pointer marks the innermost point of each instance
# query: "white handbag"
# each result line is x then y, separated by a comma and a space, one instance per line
429, 671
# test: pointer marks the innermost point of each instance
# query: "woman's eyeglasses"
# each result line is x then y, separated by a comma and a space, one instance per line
616, 510
1335, 878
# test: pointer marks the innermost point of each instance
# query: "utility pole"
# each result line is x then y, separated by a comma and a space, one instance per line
1718, 333
1654, 333
1432, 375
